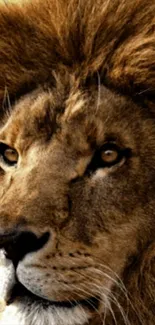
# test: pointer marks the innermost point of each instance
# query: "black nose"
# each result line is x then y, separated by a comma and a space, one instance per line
19, 243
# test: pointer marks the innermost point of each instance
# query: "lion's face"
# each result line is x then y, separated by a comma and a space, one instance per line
80, 176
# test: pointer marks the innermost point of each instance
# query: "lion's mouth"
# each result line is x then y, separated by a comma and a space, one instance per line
19, 292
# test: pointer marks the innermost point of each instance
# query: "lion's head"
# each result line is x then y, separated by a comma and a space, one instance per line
77, 162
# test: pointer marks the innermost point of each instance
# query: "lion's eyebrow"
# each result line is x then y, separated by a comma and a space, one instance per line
74, 104
46, 124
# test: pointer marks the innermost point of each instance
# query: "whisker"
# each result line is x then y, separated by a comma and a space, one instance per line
109, 295
6, 100
87, 299
107, 304
122, 287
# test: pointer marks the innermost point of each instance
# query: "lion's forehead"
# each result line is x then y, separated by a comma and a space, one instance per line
81, 120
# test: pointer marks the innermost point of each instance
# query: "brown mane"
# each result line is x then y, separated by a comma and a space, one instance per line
115, 39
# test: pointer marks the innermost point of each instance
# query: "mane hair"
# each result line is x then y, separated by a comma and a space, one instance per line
115, 39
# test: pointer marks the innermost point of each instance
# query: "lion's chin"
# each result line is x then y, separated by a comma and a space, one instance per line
20, 313
25, 308
21, 292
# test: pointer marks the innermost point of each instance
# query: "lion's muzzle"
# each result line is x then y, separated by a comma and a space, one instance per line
19, 243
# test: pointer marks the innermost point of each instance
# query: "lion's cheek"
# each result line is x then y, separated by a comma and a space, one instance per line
59, 286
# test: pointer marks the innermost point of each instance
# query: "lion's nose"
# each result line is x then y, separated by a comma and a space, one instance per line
19, 243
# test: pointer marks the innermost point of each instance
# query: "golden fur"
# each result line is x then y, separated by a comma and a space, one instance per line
74, 75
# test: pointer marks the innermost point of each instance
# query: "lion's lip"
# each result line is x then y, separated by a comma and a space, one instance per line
19, 292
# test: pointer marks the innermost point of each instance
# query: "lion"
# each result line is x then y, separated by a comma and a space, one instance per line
77, 161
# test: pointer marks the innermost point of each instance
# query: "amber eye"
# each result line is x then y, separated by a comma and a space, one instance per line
11, 155
109, 156
8, 155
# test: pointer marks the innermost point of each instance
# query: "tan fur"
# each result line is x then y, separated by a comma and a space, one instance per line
74, 75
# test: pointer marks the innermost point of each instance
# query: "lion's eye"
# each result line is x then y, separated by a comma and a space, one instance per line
108, 156
8, 155
11, 155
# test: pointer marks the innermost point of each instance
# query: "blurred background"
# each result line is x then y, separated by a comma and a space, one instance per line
5, 1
